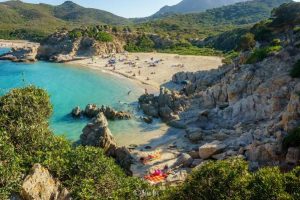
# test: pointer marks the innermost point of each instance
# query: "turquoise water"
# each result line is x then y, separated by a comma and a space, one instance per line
70, 86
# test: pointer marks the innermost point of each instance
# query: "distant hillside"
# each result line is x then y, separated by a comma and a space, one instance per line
70, 11
238, 14
19, 18
193, 6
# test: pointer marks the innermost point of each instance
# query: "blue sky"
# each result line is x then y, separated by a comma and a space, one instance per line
125, 8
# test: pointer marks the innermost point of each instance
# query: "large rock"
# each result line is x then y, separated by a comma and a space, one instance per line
209, 149
92, 110
26, 54
184, 160
40, 185
96, 133
76, 112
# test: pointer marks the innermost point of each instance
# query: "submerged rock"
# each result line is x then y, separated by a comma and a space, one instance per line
39, 184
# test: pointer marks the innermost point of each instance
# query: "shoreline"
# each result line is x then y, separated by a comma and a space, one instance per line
17, 43
143, 74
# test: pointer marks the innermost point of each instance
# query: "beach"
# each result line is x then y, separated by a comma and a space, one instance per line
150, 69
16, 43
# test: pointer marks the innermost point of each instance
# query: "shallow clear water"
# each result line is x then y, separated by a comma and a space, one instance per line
70, 86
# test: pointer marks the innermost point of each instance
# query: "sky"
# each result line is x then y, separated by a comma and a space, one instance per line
124, 8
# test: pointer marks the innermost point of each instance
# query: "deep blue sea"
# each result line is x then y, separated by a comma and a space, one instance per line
70, 86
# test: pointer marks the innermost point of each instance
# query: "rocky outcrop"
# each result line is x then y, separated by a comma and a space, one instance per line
26, 54
39, 184
210, 149
60, 47
167, 105
97, 134
92, 110
247, 108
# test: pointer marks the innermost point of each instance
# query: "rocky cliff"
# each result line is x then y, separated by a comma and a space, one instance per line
60, 47
237, 109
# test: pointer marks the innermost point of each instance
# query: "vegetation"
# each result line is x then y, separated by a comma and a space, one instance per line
295, 73
260, 54
25, 139
247, 42
230, 179
292, 139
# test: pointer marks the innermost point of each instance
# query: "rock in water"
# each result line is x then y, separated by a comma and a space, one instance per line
27, 54
40, 185
76, 112
96, 133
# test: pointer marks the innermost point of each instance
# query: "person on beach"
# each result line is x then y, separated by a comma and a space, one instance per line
139, 72
146, 91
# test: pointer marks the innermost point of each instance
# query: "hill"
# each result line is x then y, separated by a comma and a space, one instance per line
193, 6
19, 19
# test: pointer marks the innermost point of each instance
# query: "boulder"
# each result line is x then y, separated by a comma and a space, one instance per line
209, 149
39, 184
194, 134
76, 112
293, 155
177, 177
96, 133
184, 160
91, 110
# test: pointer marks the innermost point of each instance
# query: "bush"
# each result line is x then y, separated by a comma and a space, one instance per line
24, 115
292, 139
247, 42
268, 183
295, 72
104, 37
25, 139
292, 181
262, 53
10, 170
226, 179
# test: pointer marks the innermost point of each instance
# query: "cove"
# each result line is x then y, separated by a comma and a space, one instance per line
69, 86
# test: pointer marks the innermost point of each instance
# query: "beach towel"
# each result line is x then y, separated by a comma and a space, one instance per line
150, 157
156, 177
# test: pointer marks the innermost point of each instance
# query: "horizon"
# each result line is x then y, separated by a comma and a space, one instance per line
124, 8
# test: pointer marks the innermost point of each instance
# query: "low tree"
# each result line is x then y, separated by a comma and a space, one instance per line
247, 42
285, 18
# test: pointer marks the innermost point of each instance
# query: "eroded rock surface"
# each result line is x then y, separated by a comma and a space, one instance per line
39, 184
248, 108
26, 54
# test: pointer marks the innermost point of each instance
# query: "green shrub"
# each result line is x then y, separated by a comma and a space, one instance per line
25, 139
295, 72
226, 179
268, 183
10, 170
230, 56
292, 139
292, 181
262, 53
247, 42
24, 115
75, 34
104, 37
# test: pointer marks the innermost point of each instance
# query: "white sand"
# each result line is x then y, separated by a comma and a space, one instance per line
16, 43
157, 75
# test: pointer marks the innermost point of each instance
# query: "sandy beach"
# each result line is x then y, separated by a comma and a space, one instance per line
150, 69
16, 43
